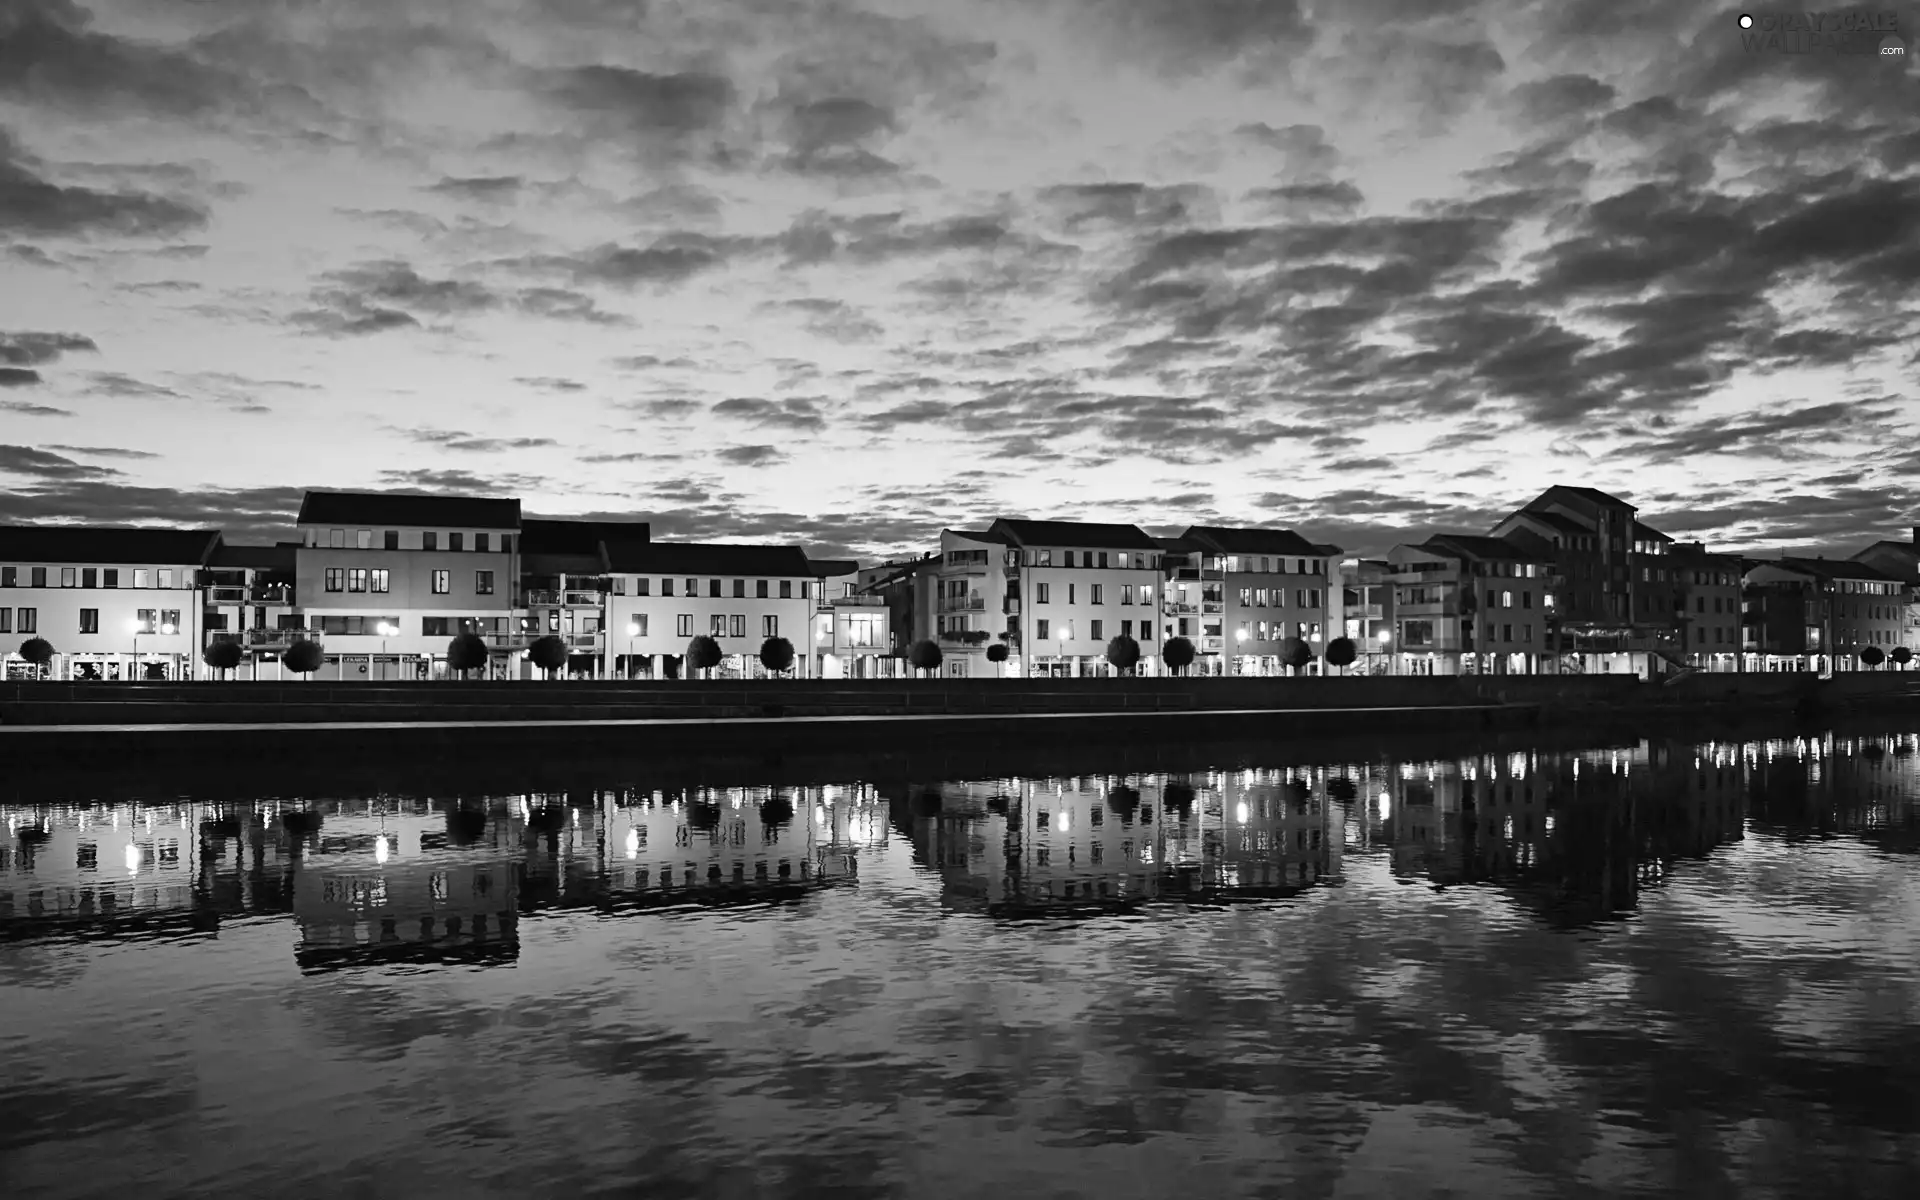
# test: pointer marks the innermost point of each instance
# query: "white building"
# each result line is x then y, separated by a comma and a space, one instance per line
1252, 589
664, 594
1071, 587
247, 593
114, 603
852, 635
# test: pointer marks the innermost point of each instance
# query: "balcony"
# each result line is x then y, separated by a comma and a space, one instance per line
1198, 574
1182, 610
963, 604
270, 639
1012, 606
568, 599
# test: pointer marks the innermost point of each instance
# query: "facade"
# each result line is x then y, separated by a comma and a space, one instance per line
967, 599
384, 582
664, 594
1272, 584
852, 635
1706, 606
1902, 561
247, 598
1367, 593
1816, 614
566, 586
114, 603
1467, 605
1071, 587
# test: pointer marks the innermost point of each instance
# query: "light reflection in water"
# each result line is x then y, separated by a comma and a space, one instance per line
1660, 969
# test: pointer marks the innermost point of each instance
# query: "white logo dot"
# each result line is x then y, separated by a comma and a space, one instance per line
1746, 22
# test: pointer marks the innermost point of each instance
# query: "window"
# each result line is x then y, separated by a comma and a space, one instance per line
391, 539
1095, 588
739, 589
760, 589
456, 541
109, 577
442, 582
1146, 631
693, 588
436, 626
738, 625
1068, 560
378, 579
1506, 599
89, 620
1070, 593
483, 583
1040, 628
170, 621
786, 589
1126, 594
1040, 593
480, 542
637, 625
165, 577
1126, 629
713, 588
89, 577
144, 620
1103, 559
666, 588
6, 620
429, 541
142, 578
363, 539
336, 579
1506, 633
68, 577
1146, 593
1098, 626
29, 621
9, 576
803, 589
506, 543
1526, 599
683, 625
337, 538
357, 579
769, 626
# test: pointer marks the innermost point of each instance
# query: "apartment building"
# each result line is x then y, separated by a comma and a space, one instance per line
113, 602
247, 598
852, 636
1367, 591
1272, 584
1902, 561
385, 582
1467, 605
664, 594
1193, 604
1706, 605
1817, 614
565, 585
967, 598
1071, 587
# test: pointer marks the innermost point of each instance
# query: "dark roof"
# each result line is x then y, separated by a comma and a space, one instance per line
1699, 551
1560, 521
105, 544
1910, 549
278, 557
1648, 531
829, 568
1472, 546
401, 508
1074, 534
1832, 568
982, 535
711, 558
1595, 495
543, 535
1254, 541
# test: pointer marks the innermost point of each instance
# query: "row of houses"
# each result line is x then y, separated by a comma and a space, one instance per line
1571, 582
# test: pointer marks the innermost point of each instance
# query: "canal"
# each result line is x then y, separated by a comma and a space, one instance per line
1620, 967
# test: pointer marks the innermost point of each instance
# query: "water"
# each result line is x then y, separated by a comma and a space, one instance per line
1654, 969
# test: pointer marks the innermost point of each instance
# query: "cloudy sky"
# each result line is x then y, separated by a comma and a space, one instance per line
848, 272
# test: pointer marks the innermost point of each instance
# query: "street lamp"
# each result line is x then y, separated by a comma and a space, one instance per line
386, 629
1386, 638
1239, 659
1061, 637
633, 631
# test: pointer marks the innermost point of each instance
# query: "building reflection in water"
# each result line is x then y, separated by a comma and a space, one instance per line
1573, 838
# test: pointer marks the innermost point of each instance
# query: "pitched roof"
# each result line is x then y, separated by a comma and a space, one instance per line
1223, 540
833, 568
1594, 495
1553, 520
982, 535
1473, 547
278, 557
106, 545
410, 509
544, 535
1832, 568
708, 558
1647, 531
1073, 534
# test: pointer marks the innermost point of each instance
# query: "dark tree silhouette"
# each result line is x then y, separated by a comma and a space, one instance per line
1177, 797
925, 655
703, 653
1873, 656
703, 817
1124, 653
997, 655
1295, 653
776, 811
1342, 789
776, 654
222, 655
465, 653
1341, 652
1124, 801
1177, 653
1900, 656
39, 652
303, 657
548, 653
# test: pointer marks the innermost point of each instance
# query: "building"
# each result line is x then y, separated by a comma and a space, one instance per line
1367, 591
852, 636
113, 602
1613, 610
1817, 614
1706, 606
967, 598
1269, 584
1071, 587
1467, 605
666, 593
1901, 560
386, 581
247, 595
566, 584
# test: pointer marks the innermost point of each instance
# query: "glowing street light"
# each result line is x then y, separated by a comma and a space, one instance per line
633, 631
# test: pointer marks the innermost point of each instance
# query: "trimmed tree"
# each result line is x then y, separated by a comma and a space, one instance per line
997, 655
925, 655
1900, 656
703, 653
465, 653
776, 655
38, 651
776, 811
548, 653
1873, 656
1342, 789
1177, 653
1341, 653
303, 657
1177, 797
1124, 801
1124, 653
1295, 653
223, 655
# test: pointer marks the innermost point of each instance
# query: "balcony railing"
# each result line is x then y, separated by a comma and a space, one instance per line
963, 604
1011, 606
1192, 610
274, 593
576, 599
270, 639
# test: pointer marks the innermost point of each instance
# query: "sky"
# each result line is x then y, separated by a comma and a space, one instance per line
847, 273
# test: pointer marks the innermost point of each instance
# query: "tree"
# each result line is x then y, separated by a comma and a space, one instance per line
1900, 656
548, 653
1177, 797
1295, 653
997, 655
776, 654
1177, 653
703, 653
1341, 652
468, 652
1124, 801
1873, 656
925, 655
1124, 653
223, 655
1342, 789
303, 657
776, 811
38, 651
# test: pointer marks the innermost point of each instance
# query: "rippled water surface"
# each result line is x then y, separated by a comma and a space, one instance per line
1660, 969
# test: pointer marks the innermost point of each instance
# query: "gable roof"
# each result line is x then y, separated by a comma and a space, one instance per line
1477, 548
410, 509
708, 558
545, 535
1591, 495
1223, 540
1832, 568
1073, 534
278, 557
1552, 520
1645, 532
833, 568
106, 545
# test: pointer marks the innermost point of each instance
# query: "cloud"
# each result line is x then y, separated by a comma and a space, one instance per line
750, 456
32, 204
784, 414
546, 383
50, 54
33, 410
105, 451
37, 349
42, 464
13, 377
471, 444
487, 189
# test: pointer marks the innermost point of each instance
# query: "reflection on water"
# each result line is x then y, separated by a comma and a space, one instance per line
1663, 969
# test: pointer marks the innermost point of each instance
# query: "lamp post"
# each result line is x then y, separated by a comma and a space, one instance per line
1061, 637
386, 630
135, 626
1241, 637
1386, 639
633, 631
